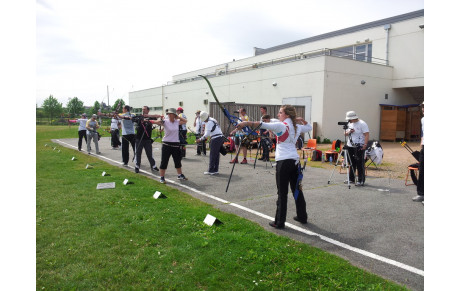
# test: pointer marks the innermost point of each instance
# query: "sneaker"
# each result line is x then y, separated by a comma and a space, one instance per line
79, 150
301, 221
207, 173
261, 159
346, 182
125, 164
181, 177
418, 198
214, 173
235, 160
155, 168
99, 153
162, 180
359, 184
244, 161
197, 154
136, 170
275, 225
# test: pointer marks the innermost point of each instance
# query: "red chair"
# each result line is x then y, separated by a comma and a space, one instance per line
333, 152
311, 146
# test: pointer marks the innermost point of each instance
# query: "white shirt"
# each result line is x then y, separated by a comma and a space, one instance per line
209, 126
82, 125
114, 124
285, 138
171, 130
423, 130
357, 137
198, 125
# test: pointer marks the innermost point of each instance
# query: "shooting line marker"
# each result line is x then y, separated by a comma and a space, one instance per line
210, 220
73, 159
158, 194
101, 186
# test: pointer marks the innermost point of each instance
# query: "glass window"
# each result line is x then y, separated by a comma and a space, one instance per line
361, 52
344, 52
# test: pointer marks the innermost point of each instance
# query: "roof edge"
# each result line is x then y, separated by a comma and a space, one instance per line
394, 19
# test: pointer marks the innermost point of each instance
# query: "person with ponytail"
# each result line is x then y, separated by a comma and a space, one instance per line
287, 161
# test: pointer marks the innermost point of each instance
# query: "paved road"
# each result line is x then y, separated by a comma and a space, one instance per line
376, 227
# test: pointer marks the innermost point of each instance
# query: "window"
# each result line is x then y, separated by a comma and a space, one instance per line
361, 52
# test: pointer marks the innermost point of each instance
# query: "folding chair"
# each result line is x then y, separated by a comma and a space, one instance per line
311, 146
407, 175
333, 152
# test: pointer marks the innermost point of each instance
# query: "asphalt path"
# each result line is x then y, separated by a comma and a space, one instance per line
376, 227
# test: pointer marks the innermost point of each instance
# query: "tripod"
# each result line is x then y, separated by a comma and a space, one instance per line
346, 159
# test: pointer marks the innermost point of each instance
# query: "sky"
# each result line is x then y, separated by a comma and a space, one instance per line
91, 49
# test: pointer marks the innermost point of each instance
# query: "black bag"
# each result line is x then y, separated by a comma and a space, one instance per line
338, 143
316, 155
223, 150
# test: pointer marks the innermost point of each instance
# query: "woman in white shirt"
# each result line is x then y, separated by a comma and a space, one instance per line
287, 162
82, 130
171, 144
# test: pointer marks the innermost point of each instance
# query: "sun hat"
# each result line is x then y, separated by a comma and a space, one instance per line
171, 110
351, 115
204, 115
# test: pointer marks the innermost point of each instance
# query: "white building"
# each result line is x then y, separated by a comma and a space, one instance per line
356, 68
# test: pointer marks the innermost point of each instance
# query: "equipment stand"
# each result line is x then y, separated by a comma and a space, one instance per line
346, 158
346, 163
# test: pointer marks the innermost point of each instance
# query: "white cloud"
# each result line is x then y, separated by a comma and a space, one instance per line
83, 46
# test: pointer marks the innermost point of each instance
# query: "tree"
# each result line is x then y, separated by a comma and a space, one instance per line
115, 105
52, 107
96, 107
75, 107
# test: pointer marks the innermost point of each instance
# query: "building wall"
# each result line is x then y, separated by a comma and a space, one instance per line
406, 51
333, 83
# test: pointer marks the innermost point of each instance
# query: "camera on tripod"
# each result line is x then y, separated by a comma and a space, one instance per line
344, 123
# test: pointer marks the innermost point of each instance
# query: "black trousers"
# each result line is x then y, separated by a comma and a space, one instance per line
171, 149
115, 141
81, 135
214, 156
200, 147
125, 141
357, 164
265, 143
147, 145
286, 175
420, 183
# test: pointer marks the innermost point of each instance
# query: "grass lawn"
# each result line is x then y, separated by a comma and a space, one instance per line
123, 239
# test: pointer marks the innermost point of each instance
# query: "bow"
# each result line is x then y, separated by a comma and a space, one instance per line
232, 118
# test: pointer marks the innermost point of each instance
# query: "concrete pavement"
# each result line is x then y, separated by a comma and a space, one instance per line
376, 227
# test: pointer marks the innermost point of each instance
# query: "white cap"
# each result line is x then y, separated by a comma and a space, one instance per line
204, 115
351, 115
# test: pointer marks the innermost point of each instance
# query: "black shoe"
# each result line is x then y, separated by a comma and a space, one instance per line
261, 159
273, 224
155, 168
301, 221
136, 170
